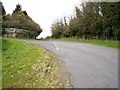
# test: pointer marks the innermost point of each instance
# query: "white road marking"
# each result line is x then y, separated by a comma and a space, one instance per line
56, 46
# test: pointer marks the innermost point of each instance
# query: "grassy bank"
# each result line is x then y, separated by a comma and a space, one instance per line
28, 66
108, 43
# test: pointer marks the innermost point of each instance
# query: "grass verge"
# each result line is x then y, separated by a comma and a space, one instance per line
108, 43
28, 66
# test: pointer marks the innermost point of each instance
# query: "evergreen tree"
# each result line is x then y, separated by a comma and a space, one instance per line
17, 9
3, 12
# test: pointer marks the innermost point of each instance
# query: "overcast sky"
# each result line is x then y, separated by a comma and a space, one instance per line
44, 12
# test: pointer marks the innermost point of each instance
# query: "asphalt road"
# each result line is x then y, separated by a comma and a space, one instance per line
90, 66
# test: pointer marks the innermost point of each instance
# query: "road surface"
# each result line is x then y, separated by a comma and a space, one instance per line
90, 66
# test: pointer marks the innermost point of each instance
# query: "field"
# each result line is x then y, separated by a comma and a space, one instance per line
107, 43
28, 66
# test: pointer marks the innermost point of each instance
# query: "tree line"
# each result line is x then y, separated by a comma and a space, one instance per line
92, 20
19, 19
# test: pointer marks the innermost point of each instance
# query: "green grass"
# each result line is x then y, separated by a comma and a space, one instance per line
107, 43
25, 66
